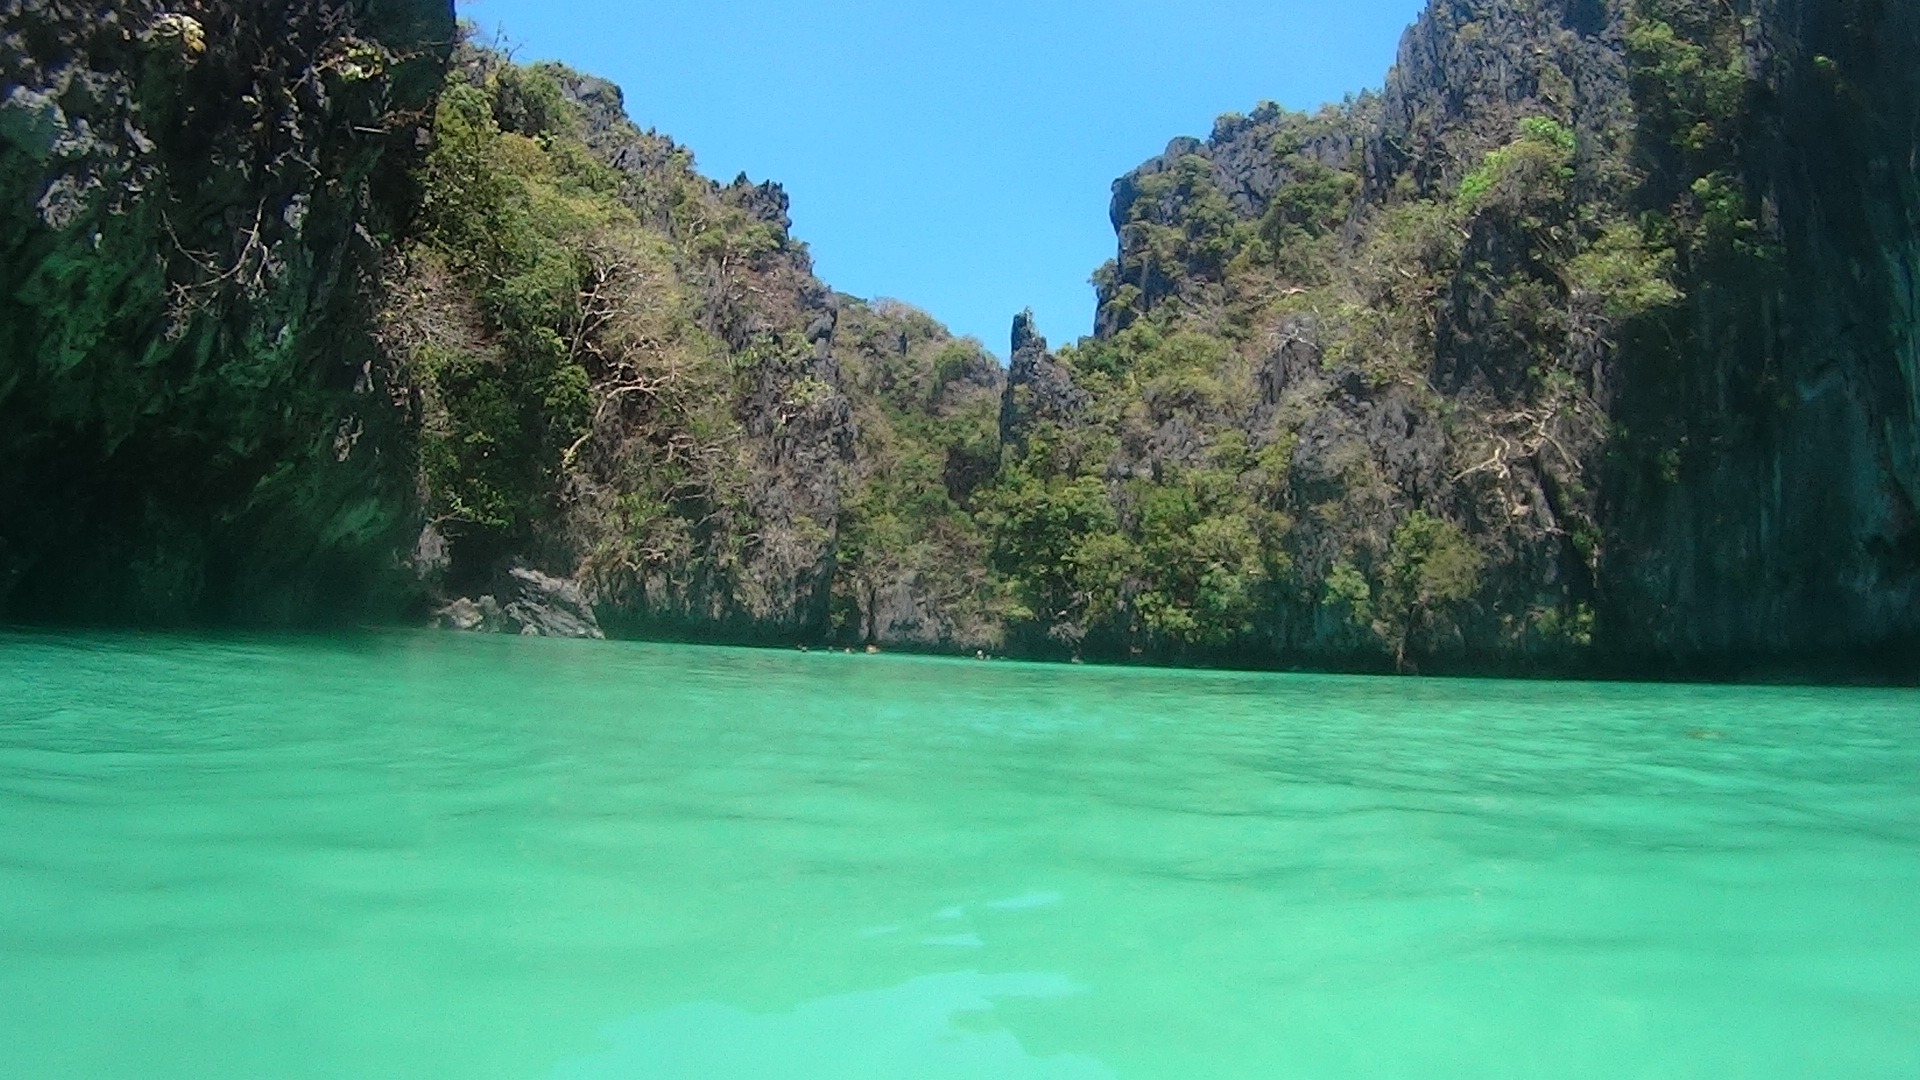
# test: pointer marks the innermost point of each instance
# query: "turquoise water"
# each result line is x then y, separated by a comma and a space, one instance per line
445, 856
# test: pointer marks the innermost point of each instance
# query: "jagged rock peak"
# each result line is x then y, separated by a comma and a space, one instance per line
766, 201
1027, 341
1038, 388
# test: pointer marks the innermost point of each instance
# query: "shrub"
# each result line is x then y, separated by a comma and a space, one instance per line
1533, 169
1632, 276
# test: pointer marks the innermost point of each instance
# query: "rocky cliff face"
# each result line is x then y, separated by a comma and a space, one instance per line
1658, 385
1586, 343
762, 566
1469, 71
1038, 389
194, 420
1788, 526
707, 438
1776, 518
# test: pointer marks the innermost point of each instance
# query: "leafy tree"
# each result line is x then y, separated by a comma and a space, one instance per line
1432, 568
1206, 556
1630, 275
1055, 540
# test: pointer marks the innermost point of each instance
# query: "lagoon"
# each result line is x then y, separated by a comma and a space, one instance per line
434, 855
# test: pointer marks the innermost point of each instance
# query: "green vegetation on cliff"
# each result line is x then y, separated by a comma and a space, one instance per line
1588, 336
629, 372
1412, 378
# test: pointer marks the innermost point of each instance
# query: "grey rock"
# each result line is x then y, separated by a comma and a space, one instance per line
537, 605
431, 554
547, 606
461, 614
1294, 360
151, 271
1038, 387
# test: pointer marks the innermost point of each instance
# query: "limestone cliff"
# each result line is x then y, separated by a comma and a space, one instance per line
632, 378
1586, 343
194, 421
1658, 377
1788, 524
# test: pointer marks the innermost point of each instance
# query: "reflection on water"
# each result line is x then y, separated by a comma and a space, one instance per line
1026, 901
931, 1028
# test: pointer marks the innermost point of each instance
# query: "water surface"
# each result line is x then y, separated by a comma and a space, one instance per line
466, 857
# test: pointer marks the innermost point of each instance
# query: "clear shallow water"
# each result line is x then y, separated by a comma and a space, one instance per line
445, 856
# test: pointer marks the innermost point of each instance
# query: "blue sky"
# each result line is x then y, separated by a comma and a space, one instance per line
955, 156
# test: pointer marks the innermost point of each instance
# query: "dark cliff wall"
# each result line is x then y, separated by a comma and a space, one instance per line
1791, 525
192, 415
